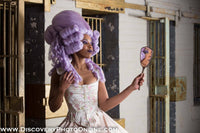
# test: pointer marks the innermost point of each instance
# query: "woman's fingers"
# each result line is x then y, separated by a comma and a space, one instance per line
72, 80
140, 79
141, 82
68, 75
65, 75
142, 76
71, 77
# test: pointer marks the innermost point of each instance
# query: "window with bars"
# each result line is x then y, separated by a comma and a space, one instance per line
196, 64
11, 104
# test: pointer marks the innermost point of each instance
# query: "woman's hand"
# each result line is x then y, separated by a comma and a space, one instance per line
65, 81
138, 81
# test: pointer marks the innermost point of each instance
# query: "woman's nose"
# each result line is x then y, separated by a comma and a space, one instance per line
90, 45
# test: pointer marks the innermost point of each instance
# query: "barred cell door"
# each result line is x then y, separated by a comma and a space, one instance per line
11, 66
159, 76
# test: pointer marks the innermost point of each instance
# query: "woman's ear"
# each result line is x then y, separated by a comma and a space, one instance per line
72, 55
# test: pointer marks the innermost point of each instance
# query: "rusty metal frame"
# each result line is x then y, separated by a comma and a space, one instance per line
9, 111
159, 93
12, 68
196, 64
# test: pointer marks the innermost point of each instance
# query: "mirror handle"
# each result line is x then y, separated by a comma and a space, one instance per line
141, 73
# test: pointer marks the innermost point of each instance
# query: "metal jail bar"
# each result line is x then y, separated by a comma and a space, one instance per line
158, 60
158, 75
157, 113
8, 64
196, 63
96, 24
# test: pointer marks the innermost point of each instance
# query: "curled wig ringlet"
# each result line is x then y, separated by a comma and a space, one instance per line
64, 36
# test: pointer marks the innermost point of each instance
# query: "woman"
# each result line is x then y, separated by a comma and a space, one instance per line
77, 78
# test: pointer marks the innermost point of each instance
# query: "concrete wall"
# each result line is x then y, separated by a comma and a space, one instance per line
133, 36
187, 115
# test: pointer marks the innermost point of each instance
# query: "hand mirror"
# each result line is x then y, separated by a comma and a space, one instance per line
145, 57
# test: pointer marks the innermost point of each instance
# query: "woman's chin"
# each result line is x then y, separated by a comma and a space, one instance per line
88, 57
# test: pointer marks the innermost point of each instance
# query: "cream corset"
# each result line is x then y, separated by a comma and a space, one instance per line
82, 102
82, 97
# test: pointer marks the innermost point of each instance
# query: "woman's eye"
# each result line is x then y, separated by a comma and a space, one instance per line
85, 42
145, 51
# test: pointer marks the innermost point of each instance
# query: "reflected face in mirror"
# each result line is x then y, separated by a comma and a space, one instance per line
145, 56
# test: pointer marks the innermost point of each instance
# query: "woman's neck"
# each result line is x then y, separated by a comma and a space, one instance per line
78, 62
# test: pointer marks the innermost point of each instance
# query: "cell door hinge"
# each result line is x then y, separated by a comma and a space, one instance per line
45, 101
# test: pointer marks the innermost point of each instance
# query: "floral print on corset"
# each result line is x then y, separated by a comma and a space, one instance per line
83, 110
82, 102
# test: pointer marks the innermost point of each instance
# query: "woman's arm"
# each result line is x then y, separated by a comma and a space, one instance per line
106, 103
59, 84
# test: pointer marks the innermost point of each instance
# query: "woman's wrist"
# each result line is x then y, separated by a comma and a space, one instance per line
132, 87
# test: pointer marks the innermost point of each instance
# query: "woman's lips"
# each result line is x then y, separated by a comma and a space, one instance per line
90, 51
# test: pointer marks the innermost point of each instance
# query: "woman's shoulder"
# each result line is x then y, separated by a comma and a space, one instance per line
100, 73
55, 75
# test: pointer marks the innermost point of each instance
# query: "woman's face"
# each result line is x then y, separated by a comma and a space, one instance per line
87, 50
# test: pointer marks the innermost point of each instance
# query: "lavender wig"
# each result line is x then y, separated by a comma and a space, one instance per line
64, 36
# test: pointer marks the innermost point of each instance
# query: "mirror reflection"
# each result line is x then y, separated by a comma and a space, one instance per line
145, 57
